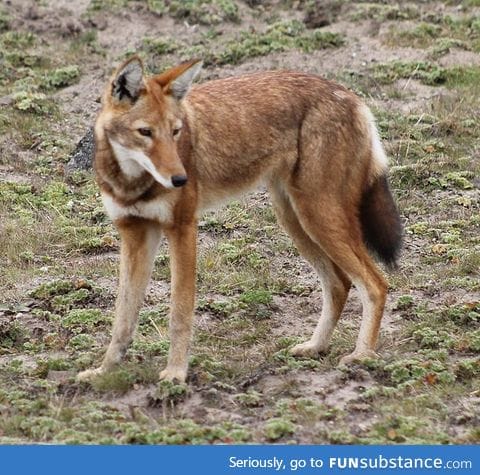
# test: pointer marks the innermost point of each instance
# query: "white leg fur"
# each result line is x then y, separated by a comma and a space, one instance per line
331, 289
136, 262
363, 348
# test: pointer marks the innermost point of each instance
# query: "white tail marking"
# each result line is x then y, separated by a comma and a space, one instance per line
378, 152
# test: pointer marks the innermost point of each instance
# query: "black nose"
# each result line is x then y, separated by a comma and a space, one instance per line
179, 180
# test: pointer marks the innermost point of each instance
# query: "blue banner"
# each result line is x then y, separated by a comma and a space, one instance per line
239, 460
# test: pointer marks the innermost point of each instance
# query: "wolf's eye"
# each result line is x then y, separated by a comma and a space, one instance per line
176, 131
145, 132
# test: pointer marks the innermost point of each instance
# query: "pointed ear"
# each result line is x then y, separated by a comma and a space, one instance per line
177, 81
128, 80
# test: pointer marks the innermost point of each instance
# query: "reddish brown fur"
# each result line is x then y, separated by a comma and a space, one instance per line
308, 139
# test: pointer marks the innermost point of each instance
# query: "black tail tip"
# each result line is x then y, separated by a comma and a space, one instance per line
390, 261
381, 224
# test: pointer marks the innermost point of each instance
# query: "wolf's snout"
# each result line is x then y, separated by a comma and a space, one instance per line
179, 180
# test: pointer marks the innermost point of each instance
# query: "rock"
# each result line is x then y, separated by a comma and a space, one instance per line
6, 100
321, 13
71, 28
82, 157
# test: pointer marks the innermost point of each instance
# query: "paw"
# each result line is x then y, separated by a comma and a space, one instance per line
90, 374
173, 374
358, 356
306, 349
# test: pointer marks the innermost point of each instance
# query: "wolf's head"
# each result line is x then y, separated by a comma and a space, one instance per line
141, 118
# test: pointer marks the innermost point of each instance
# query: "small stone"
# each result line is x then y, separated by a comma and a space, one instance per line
82, 157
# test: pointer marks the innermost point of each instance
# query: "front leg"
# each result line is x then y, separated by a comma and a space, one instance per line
182, 240
139, 244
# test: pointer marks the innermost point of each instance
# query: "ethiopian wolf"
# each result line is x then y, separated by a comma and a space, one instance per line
165, 151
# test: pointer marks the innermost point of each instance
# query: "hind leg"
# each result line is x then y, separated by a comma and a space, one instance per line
335, 284
335, 287
339, 235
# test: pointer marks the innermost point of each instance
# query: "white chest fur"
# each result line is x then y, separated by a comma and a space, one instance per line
160, 209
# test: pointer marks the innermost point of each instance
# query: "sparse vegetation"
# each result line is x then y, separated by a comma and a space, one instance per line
277, 37
456, 31
382, 12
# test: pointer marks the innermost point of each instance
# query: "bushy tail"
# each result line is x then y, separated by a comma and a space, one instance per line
381, 225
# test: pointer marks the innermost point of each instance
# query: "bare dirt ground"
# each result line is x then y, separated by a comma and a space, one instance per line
416, 64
